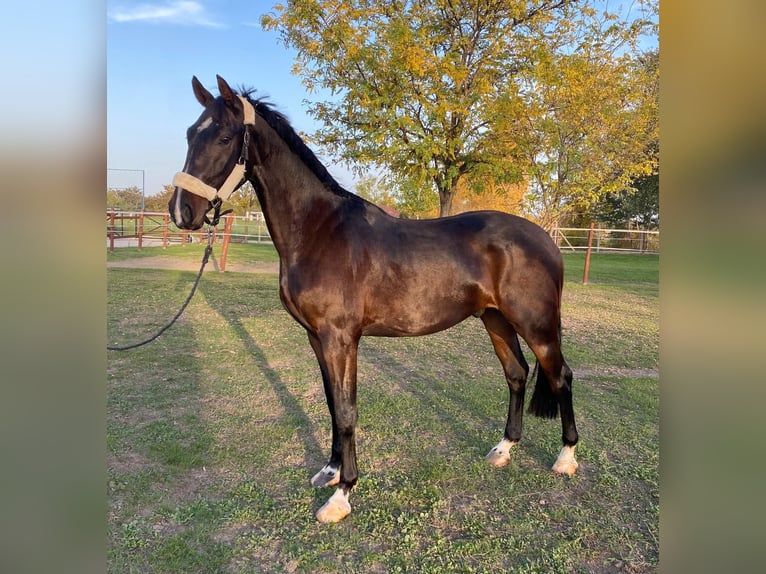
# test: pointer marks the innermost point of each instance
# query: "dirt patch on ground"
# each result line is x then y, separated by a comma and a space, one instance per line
162, 262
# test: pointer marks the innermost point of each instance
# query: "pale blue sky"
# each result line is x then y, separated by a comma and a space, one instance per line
153, 50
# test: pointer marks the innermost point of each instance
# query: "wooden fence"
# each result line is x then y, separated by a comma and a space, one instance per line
154, 229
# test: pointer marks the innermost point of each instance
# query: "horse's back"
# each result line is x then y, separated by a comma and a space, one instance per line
480, 233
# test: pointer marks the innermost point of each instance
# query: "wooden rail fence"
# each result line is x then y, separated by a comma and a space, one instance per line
154, 228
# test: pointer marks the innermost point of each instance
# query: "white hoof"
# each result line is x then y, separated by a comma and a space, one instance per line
566, 463
328, 476
335, 509
500, 454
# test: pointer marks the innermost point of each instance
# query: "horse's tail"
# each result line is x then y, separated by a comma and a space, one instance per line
543, 403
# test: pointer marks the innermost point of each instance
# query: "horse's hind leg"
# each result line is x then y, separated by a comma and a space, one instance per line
507, 348
553, 392
566, 462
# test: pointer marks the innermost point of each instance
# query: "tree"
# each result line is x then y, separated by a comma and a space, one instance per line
400, 194
640, 207
244, 200
439, 91
420, 81
159, 201
374, 189
590, 120
507, 197
128, 199
639, 203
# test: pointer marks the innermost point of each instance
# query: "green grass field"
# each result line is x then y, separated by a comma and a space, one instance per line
215, 429
238, 252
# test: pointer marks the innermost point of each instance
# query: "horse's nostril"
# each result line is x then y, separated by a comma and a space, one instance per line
181, 213
185, 217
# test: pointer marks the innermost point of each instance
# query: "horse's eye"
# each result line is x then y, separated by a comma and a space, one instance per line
226, 140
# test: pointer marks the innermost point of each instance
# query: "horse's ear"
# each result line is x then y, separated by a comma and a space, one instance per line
226, 92
203, 96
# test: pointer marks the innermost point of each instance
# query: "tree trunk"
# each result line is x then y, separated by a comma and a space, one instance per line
445, 202
446, 184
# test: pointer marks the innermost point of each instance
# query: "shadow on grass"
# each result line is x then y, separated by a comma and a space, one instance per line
458, 414
159, 443
312, 450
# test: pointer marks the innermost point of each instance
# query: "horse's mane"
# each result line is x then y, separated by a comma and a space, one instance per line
281, 125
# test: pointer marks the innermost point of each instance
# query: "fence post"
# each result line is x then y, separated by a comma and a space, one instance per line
165, 223
140, 230
598, 238
587, 255
111, 230
229, 219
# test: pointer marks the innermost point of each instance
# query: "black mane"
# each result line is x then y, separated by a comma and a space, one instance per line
279, 124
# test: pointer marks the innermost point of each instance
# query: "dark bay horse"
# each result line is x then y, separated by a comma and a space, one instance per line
348, 269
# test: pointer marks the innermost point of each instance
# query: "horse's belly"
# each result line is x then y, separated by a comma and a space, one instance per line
402, 329
411, 318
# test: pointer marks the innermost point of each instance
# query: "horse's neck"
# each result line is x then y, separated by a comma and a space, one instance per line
293, 201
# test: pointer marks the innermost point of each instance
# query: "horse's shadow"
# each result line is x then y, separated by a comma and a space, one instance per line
313, 453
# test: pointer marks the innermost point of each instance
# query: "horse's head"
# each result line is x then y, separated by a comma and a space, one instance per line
216, 156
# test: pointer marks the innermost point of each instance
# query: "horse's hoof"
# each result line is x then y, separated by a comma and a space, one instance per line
569, 468
500, 454
498, 458
328, 476
566, 463
335, 509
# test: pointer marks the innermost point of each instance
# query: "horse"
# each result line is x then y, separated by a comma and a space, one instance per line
347, 269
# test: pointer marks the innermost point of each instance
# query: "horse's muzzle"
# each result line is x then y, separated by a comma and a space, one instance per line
184, 214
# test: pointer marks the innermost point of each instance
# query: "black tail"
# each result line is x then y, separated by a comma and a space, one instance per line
543, 403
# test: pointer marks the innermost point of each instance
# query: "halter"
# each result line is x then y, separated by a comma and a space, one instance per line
236, 178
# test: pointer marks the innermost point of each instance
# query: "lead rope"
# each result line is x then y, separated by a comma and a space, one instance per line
205, 257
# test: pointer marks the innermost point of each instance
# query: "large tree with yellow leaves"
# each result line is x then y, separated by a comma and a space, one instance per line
432, 91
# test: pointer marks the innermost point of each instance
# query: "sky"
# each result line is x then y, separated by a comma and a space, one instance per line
153, 50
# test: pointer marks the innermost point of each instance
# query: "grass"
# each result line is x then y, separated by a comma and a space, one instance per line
215, 429
238, 252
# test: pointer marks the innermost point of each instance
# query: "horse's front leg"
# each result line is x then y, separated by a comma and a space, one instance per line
337, 356
329, 474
